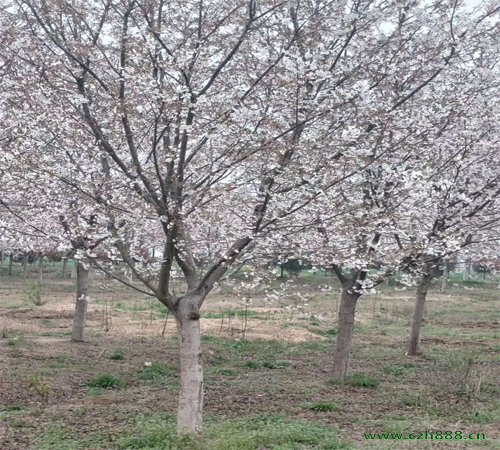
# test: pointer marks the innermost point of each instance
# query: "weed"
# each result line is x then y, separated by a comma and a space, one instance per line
117, 356
105, 381
57, 366
357, 380
39, 384
35, 295
157, 371
320, 406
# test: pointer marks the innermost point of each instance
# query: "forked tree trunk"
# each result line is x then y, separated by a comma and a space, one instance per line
40, 267
82, 290
423, 288
342, 353
11, 261
444, 279
64, 267
190, 409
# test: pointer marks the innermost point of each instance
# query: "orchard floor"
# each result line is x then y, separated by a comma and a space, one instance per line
268, 384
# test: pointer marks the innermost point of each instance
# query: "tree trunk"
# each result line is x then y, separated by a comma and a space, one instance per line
40, 267
446, 275
11, 261
73, 270
466, 271
64, 267
189, 414
25, 267
82, 289
423, 288
1, 259
342, 353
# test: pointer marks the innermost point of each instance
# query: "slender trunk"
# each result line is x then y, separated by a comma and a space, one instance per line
25, 267
342, 353
446, 275
423, 288
11, 261
73, 270
1, 259
40, 267
64, 267
82, 289
190, 410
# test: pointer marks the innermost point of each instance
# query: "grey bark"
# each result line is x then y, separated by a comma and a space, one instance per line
420, 301
446, 276
82, 289
25, 267
11, 261
466, 271
73, 270
64, 267
40, 267
342, 352
190, 408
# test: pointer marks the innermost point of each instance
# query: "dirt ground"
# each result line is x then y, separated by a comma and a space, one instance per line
273, 359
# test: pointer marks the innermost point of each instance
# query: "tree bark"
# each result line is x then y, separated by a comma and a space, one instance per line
82, 289
11, 261
190, 409
444, 279
422, 289
342, 353
25, 267
73, 270
40, 267
466, 271
64, 267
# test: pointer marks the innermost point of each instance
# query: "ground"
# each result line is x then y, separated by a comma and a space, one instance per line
268, 384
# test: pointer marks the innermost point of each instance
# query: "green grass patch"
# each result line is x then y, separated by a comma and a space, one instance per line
158, 371
320, 406
357, 380
10, 410
231, 313
117, 356
106, 381
270, 432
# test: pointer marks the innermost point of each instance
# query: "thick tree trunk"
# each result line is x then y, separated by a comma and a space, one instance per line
190, 410
342, 353
11, 262
40, 267
423, 288
64, 267
82, 289
444, 279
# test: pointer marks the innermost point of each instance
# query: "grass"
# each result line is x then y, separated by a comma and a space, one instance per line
105, 381
399, 369
270, 432
320, 406
9, 411
357, 380
117, 356
158, 371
